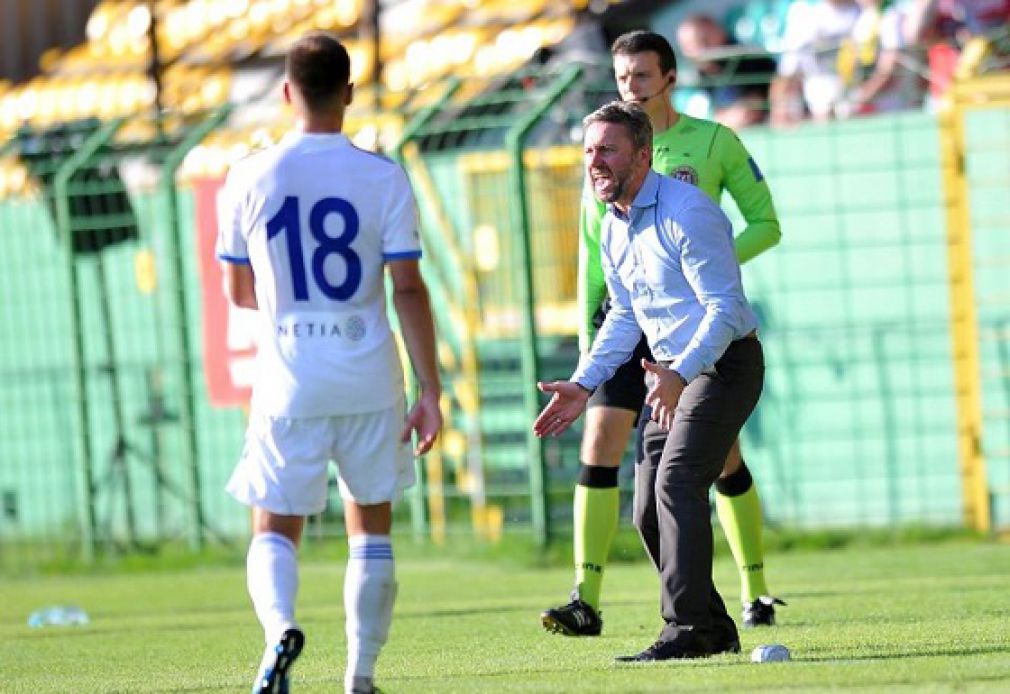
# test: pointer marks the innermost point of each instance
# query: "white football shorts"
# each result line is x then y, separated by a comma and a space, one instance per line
285, 462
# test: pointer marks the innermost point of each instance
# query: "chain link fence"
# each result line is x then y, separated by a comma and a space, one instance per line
112, 440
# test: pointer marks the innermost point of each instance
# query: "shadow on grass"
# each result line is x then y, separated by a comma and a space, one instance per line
516, 549
905, 655
720, 662
110, 629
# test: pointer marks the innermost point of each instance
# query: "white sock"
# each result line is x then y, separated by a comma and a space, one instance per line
272, 579
369, 593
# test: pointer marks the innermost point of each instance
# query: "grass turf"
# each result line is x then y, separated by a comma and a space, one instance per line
915, 618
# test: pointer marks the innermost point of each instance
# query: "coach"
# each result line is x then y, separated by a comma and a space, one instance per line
667, 253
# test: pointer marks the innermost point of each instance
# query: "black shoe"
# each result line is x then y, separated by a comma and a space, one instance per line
761, 612
669, 650
574, 619
273, 676
725, 644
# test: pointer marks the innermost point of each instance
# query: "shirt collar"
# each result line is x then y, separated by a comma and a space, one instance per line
648, 194
314, 141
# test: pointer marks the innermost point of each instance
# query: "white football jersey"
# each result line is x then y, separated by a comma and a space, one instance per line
317, 219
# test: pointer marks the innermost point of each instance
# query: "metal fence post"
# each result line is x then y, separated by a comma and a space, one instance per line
515, 144
419, 515
187, 419
965, 96
82, 408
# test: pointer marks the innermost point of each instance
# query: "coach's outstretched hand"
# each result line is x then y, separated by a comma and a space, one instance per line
565, 407
425, 418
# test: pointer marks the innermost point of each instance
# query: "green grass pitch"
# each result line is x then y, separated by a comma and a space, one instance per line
909, 618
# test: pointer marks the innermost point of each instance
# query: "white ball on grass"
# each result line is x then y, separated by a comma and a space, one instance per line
770, 653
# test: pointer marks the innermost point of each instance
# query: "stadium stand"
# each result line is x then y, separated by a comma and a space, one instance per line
211, 52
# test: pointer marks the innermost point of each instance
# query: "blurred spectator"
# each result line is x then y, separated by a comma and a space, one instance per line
879, 64
735, 80
956, 20
954, 31
758, 22
814, 30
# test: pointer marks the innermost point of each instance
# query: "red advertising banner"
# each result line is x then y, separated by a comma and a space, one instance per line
229, 345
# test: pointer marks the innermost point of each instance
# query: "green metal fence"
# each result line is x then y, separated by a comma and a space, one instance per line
482, 194
101, 433
856, 425
109, 441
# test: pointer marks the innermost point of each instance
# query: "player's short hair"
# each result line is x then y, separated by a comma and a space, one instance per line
628, 114
644, 42
319, 68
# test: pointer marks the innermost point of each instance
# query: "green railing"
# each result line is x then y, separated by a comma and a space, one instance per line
111, 445
124, 362
468, 161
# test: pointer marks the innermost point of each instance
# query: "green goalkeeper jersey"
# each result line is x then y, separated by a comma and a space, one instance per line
707, 155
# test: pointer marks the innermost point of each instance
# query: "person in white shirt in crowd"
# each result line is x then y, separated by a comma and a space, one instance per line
808, 79
882, 70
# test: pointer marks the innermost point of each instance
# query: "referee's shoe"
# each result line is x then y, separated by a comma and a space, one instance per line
577, 618
761, 612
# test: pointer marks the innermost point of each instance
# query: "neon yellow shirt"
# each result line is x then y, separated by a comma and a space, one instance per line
703, 153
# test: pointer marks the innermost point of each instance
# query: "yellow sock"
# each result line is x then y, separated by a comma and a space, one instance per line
597, 506
739, 509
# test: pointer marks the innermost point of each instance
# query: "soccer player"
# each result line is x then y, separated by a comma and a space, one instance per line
308, 229
711, 157
671, 270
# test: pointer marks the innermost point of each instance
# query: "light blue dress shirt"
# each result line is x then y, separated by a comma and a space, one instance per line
672, 273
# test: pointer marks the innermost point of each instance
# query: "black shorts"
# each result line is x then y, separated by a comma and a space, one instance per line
626, 388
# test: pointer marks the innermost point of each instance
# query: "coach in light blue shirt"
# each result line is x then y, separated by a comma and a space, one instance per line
671, 270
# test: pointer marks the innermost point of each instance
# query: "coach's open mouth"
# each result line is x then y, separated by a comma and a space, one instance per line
604, 184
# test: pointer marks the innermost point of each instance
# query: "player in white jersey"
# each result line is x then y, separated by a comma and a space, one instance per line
307, 230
